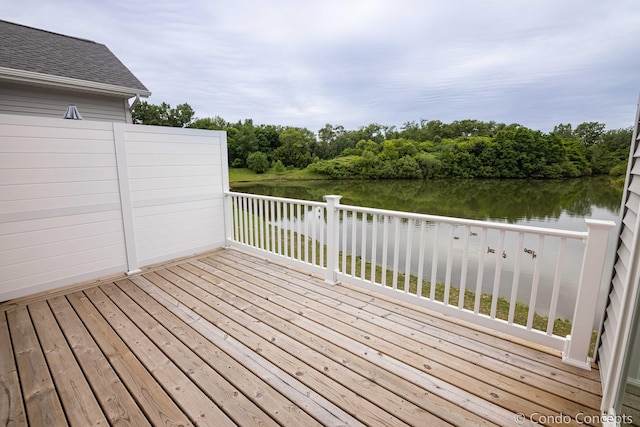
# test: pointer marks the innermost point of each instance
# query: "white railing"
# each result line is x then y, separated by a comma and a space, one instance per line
503, 276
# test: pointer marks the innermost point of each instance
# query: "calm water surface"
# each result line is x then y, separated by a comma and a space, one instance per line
563, 204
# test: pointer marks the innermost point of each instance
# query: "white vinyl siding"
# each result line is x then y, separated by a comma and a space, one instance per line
615, 332
63, 213
43, 102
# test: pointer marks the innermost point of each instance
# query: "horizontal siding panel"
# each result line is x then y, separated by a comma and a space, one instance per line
635, 168
51, 160
143, 172
62, 189
45, 102
204, 215
184, 224
633, 202
624, 256
58, 202
620, 270
52, 145
191, 241
142, 137
150, 211
55, 175
630, 219
71, 260
165, 195
142, 184
626, 237
150, 159
173, 148
43, 251
28, 239
634, 184
60, 222
82, 133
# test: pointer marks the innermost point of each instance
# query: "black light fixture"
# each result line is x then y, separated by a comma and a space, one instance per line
72, 113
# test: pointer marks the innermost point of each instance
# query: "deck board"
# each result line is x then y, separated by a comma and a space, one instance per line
226, 338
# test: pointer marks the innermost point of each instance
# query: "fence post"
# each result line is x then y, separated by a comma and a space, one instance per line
576, 348
333, 238
228, 219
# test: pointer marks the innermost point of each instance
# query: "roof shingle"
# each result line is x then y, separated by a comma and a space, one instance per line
30, 49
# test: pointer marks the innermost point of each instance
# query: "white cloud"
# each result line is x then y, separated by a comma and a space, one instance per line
353, 62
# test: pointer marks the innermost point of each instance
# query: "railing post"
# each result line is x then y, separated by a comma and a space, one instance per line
333, 238
228, 219
576, 349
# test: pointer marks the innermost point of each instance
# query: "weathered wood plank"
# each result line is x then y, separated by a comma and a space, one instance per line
243, 331
160, 330
154, 401
80, 405
349, 355
11, 405
41, 399
118, 404
193, 401
304, 397
441, 363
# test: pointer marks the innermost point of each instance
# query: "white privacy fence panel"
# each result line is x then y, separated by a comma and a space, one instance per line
82, 199
459, 267
176, 190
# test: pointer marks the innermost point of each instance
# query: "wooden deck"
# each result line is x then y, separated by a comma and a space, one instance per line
226, 338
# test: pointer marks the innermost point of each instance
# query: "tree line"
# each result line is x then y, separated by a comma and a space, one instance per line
423, 149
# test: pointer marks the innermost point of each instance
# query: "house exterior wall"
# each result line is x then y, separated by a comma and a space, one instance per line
623, 293
43, 102
84, 199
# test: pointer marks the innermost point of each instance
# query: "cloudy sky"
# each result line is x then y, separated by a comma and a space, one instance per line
355, 62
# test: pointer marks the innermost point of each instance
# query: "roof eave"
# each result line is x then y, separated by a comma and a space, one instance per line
30, 77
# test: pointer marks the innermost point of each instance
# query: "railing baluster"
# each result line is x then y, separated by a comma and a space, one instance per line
516, 278
447, 278
272, 221
374, 248
465, 265
536, 281
396, 251
385, 245
497, 275
556, 286
243, 229
323, 230
299, 227
363, 246
314, 239
407, 257
279, 229
354, 243
483, 244
236, 217
345, 221
292, 231
423, 226
434, 262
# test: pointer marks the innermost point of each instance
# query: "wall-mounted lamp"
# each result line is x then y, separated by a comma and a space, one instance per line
72, 113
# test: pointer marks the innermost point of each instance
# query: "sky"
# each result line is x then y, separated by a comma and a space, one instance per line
307, 63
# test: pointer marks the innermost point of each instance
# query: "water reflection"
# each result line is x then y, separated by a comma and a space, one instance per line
499, 200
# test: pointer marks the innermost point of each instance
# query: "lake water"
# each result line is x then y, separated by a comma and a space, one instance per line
562, 204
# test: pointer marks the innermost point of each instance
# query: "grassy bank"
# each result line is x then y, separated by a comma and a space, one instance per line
246, 175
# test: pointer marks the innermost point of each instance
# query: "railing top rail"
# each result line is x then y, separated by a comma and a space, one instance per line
470, 222
276, 199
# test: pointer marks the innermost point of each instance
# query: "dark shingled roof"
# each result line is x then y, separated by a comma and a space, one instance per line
30, 49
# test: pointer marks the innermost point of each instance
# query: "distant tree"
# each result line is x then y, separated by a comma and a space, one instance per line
258, 162
590, 133
295, 147
162, 115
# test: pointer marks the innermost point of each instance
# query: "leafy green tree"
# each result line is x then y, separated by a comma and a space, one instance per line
590, 132
295, 147
258, 162
162, 115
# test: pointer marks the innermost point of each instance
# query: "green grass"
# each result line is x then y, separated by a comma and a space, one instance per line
246, 175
